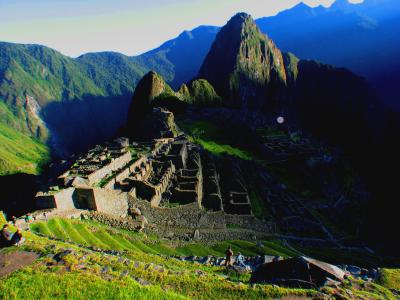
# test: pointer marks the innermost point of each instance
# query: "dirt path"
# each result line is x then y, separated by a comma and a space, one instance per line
14, 261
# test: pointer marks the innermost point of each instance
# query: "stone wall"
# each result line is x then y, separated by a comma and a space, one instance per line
248, 222
189, 187
114, 203
211, 184
185, 216
44, 201
115, 164
162, 186
85, 199
63, 199
178, 154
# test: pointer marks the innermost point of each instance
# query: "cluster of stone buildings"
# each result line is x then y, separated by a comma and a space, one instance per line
171, 172
284, 146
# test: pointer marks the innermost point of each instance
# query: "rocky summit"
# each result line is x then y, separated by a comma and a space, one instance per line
244, 65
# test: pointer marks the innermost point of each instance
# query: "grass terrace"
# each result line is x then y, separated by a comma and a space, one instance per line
145, 269
139, 272
215, 139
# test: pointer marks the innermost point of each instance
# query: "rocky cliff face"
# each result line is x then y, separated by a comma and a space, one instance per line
250, 72
201, 92
141, 118
149, 87
244, 66
152, 90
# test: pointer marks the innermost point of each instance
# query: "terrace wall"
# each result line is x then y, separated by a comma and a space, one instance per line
63, 200
114, 165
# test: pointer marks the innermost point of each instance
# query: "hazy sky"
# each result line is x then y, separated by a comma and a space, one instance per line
131, 27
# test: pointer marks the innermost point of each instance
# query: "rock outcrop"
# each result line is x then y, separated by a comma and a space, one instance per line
244, 65
250, 72
149, 88
201, 92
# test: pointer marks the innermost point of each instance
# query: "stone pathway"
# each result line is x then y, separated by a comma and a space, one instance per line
10, 262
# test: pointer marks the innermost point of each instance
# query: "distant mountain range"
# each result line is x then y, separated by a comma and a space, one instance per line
250, 72
334, 106
74, 103
364, 38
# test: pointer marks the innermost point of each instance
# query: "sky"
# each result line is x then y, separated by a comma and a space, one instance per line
74, 27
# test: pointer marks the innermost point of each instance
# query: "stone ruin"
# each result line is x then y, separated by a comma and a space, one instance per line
165, 172
236, 199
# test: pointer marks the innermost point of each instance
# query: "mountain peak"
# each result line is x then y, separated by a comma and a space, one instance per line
341, 4
241, 59
149, 87
301, 6
240, 18
241, 22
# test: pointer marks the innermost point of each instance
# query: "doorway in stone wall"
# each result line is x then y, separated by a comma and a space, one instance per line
84, 199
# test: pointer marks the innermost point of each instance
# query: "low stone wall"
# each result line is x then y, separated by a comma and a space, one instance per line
62, 199
45, 201
124, 223
117, 163
185, 216
111, 202
249, 222
162, 186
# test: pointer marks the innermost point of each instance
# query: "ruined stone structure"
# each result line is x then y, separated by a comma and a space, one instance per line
98, 164
165, 172
236, 199
211, 182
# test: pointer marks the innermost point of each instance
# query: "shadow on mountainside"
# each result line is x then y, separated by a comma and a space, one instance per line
18, 194
77, 125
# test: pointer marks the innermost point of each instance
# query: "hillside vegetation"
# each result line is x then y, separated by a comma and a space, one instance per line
19, 152
144, 268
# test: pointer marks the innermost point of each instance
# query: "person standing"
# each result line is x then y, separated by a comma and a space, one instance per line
240, 260
143, 222
5, 236
229, 254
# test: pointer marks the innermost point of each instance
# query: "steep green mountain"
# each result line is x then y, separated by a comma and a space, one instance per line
249, 71
48, 98
200, 92
148, 89
244, 66
52, 97
19, 152
362, 30
153, 91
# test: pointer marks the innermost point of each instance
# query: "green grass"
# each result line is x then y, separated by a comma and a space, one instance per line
2, 218
19, 153
34, 283
221, 149
258, 206
214, 139
89, 233
246, 248
270, 132
81, 276
390, 278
